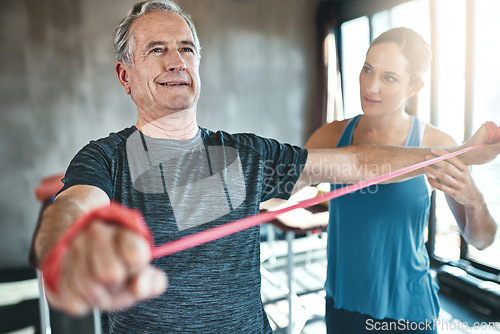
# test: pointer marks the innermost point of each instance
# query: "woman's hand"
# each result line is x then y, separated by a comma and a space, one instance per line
452, 176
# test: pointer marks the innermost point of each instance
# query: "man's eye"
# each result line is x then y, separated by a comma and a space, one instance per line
187, 50
156, 50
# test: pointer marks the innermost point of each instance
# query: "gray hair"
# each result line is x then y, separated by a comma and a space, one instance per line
123, 40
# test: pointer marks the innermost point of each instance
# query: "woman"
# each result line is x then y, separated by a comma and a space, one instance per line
378, 267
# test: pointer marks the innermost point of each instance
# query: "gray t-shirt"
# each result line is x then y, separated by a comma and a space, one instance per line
183, 187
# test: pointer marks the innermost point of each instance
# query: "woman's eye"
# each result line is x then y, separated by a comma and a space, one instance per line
390, 78
367, 70
156, 50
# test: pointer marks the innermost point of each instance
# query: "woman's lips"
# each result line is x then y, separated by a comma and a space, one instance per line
370, 100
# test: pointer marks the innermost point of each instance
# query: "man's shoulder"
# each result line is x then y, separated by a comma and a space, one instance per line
112, 142
267, 148
250, 140
115, 138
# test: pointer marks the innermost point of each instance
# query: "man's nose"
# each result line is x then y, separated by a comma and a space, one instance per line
175, 62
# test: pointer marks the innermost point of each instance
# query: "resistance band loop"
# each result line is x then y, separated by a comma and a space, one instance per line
133, 219
114, 213
247, 222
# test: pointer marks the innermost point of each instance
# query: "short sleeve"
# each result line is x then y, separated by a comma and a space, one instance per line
91, 166
283, 164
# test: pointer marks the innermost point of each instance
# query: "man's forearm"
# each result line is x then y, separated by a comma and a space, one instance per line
66, 208
360, 162
54, 221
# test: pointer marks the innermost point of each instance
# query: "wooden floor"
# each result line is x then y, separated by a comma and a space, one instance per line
309, 272
457, 316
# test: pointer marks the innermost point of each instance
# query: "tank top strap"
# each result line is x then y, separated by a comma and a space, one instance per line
346, 137
414, 138
416, 133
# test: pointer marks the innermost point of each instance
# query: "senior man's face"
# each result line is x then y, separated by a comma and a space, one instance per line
165, 75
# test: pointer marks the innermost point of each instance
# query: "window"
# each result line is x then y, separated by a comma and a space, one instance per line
449, 54
464, 86
485, 88
355, 37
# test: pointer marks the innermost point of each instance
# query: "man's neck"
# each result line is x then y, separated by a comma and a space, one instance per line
178, 126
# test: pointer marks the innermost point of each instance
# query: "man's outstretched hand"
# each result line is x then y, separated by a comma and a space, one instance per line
108, 267
488, 133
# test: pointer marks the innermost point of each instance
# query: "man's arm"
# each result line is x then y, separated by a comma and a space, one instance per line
352, 164
65, 209
105, 266
361, 162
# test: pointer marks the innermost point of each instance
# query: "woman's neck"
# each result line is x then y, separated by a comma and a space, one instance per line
390, 129
386, 121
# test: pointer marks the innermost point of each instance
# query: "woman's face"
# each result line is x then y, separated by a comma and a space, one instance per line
384, 80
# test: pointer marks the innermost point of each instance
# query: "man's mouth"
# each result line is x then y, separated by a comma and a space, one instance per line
173, 84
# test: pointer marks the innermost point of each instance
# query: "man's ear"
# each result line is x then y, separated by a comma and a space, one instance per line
416, 87
122, 73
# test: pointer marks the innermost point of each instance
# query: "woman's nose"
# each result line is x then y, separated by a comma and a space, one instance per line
373, 85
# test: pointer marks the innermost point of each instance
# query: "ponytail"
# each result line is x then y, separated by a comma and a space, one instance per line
411, 106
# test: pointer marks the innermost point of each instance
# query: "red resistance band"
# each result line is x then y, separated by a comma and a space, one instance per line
133, 219
114, 213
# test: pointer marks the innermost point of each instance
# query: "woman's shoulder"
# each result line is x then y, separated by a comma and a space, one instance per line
436, 137
327, 136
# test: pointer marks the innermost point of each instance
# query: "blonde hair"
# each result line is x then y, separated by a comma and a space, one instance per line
416, 51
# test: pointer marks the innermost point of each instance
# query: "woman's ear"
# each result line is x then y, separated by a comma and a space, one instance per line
416, 87
122, 73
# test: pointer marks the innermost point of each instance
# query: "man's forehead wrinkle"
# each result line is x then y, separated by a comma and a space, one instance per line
155, 43
154, 29
165, 38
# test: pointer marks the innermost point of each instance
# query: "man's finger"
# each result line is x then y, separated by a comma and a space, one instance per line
81, 279
105, 263
492, 132
149, 283
133, 250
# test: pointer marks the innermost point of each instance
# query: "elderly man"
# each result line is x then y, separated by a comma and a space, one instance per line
184, 179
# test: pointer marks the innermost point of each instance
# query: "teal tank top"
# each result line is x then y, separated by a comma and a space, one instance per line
377, 260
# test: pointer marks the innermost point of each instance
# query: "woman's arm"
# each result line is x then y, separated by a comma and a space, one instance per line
465, 200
